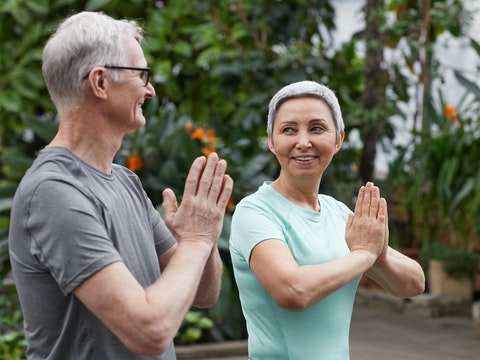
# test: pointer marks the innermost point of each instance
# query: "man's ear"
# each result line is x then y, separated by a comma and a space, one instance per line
98, 82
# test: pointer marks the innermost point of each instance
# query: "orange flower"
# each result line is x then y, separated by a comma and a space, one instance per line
197, 134
231, 203
134, 162
207, 150
451, 113
207, 138
188, 126
210, 135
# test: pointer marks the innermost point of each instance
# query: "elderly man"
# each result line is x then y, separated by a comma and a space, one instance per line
99, 274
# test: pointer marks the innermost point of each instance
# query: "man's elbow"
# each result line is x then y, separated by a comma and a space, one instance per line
152, 340
206, 300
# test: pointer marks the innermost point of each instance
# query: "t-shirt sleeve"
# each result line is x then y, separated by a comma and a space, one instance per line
164, 239
68, 235
252, 224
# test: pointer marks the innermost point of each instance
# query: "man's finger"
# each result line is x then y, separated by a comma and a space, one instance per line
193, 177
217, 182
208, 175
226, 192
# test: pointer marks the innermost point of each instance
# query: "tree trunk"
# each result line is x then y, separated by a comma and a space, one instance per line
374, 95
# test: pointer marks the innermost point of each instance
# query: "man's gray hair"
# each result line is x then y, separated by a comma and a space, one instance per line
81, 42
306, 89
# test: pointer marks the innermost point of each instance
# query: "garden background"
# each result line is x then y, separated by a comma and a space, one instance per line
215, 65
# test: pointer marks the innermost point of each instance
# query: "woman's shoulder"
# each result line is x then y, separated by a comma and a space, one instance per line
264, 195
329, 202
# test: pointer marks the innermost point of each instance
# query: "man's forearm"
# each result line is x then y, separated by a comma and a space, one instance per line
210, 283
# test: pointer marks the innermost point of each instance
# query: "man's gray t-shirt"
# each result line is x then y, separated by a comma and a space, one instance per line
68, 221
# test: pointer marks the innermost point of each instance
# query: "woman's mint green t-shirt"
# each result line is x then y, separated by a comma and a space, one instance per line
321, 331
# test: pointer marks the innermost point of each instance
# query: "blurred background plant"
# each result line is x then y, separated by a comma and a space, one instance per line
12, 339
215, 66
194, 328
440, 171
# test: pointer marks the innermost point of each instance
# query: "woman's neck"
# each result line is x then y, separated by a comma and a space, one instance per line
304, 194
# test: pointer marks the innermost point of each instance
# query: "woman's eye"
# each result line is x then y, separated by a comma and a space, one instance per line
318, 129
288, 130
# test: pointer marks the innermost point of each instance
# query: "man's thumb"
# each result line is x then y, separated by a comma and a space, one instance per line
169, 203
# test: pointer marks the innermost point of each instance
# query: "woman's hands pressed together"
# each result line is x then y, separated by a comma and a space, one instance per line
367, 227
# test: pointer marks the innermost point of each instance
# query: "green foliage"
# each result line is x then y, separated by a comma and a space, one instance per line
412, 30
457, 261
216, 63
12, 339
194, 328
226, 313
441, 174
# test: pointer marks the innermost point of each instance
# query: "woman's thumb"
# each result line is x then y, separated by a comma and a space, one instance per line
350, 220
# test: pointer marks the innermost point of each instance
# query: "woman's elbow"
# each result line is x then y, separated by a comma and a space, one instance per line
417, 283
292, 300
418, 286
414, 287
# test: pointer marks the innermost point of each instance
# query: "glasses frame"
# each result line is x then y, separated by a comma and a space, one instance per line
144, 75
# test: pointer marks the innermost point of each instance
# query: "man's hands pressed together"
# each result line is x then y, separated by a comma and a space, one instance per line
207, 191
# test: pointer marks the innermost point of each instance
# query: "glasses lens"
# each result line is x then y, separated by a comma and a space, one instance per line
145, 76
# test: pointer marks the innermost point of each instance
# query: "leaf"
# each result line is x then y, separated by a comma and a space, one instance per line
183, 48
12, 103
44, 126
475, 45
93, 5
465, 190
469, 85
38, 6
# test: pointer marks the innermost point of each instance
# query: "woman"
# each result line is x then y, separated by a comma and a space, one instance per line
297, 255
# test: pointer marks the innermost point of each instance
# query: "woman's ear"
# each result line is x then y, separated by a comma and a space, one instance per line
339, 143
270, 144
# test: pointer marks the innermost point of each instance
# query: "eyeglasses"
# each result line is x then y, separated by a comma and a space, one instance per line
144, 72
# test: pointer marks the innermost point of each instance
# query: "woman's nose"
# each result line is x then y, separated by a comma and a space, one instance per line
303, 141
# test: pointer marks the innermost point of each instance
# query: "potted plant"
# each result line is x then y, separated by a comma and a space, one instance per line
450, 269
440, 176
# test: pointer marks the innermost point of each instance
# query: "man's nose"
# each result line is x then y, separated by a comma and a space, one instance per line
150, 91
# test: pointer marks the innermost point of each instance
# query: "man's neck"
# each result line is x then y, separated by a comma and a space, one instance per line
89, 142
